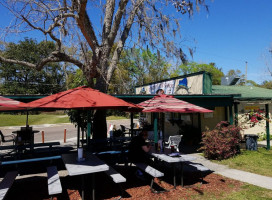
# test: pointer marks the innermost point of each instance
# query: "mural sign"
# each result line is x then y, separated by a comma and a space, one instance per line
167, 86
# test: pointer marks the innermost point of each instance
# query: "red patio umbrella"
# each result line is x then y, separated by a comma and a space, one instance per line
10, 104
167, 103
83, 98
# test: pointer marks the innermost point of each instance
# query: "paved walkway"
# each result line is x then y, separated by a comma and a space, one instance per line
251, 178
254, 179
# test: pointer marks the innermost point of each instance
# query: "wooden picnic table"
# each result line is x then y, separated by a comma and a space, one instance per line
90, 165
174, 161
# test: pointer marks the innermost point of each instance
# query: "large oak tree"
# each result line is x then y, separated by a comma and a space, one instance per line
75, 23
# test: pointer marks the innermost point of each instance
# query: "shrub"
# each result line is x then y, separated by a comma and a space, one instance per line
263, 136
222, 142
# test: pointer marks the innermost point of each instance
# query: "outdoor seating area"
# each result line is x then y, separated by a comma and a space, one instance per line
85, 175
84, 164
100, 155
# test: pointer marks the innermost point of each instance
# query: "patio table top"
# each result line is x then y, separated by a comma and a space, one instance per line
165, 157
91, 164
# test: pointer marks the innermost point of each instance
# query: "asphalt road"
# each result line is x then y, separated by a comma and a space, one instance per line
55, 132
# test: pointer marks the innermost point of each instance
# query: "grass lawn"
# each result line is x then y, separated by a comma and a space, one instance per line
258, 162
249, 192
20, 120
52, 118
245, 191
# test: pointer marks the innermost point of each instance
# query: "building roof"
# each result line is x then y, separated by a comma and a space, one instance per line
243, 92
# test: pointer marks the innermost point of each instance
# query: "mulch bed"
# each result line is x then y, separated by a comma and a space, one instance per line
35, 188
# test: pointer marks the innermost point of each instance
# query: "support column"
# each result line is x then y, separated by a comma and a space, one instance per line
230, 115
267, 126
236, 114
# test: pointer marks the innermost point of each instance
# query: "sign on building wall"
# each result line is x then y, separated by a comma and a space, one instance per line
187, 85
167, 86
250, 108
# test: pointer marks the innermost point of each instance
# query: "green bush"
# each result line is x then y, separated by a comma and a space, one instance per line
262, 136
222, 142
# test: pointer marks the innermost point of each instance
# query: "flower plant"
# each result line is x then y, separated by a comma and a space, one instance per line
254, 117
222, 142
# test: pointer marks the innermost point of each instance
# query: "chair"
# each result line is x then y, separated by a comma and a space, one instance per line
174, 140
150, 136
124, 129
7, 138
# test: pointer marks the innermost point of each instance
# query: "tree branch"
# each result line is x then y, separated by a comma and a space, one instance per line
117, 20
85, 24
27, 64
54, 57
121, 42
108, 18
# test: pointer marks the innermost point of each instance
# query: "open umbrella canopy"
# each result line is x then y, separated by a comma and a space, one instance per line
167, 103
83, 98
10, 104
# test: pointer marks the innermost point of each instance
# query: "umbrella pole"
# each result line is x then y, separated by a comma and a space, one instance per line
82, 137
156, 129
131, 125
162, 125
27, 118
89, 125
78, 135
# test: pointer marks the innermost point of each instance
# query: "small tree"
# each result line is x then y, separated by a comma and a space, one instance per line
222, 142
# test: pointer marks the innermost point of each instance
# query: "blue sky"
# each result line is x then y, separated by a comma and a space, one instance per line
233, 32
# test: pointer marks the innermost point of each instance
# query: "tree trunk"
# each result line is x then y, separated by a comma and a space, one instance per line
100, 125
99, 121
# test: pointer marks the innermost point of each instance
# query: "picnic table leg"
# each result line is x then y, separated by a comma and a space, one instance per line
82, 187
93, 186
174, 168
181, 174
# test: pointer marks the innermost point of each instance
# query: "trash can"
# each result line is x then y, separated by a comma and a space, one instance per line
251, 142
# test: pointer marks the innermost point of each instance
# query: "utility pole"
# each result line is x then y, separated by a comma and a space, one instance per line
246, 74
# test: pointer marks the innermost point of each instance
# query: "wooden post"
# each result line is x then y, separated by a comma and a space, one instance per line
64, 140
267, 127
42, 136
236, 114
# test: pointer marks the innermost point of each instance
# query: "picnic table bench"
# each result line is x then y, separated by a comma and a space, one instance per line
53, 180
199, 168
154, 173
117, 178
29, 160
6, 183
47, 144
20, 148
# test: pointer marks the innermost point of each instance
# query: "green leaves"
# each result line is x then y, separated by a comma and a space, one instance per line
193, 67
18, 79
138, 67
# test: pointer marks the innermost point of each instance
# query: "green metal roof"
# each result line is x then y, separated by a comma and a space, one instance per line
207, 101
243, 92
